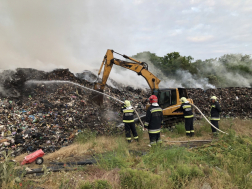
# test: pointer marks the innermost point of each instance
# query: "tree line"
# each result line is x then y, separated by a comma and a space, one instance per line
229, 70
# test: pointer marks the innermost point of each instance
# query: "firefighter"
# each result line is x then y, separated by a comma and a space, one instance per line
186, 108
128, 120
153, 121
215, 114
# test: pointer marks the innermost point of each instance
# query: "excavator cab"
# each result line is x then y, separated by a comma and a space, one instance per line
170, 97
166, 98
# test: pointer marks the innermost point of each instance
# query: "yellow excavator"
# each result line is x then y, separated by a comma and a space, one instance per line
168, 98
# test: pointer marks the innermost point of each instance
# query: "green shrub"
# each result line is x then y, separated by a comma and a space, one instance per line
184, 171
166, 158
85, 136
118, 158
180, 128
138, 179
140, 132
201, 126
8, 174
165, 131
232, 155
97, 184
111, 161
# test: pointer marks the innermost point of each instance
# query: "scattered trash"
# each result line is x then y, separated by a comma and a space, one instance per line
234, 101
49, 116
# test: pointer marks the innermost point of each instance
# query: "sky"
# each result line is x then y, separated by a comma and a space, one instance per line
75, 34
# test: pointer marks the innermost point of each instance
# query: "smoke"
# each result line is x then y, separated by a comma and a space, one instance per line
45, 35
60, 34
186, 79
233, 70
34, 36
182, 78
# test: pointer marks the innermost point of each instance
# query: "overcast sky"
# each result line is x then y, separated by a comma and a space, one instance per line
77, 33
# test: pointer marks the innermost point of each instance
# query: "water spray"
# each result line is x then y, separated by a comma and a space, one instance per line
76, 84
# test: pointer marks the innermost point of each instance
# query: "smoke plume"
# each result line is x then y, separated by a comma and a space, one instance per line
60, 34
75, 34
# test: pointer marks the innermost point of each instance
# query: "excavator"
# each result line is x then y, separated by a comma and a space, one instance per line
168, 98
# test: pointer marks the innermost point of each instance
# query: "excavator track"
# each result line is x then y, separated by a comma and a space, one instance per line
171, 121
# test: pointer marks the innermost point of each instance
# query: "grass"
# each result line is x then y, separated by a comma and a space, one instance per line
224, 163
97, 184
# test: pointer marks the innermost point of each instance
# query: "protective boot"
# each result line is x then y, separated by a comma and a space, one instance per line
192, 134
188, 134
136, 140
129, 141
215, 134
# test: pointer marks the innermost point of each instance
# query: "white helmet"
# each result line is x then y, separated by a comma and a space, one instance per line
213, 98
183, 99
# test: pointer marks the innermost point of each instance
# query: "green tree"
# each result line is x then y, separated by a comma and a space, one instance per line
172, 62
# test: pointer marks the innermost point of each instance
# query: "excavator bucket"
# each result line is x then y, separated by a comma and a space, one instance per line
97, 98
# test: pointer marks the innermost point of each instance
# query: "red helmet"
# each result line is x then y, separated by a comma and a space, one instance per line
153, 99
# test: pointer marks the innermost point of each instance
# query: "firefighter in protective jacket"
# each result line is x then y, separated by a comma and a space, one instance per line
153, 121
186, 108
128, 120
215, 113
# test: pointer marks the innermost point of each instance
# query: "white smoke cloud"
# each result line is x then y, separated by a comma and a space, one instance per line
58, 34
75, 34
218, 68
182, 78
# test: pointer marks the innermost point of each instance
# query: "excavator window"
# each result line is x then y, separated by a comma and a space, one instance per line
173, 97
182, 93
164, 99
167, 97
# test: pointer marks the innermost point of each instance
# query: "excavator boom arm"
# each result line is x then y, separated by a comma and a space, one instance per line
139, 67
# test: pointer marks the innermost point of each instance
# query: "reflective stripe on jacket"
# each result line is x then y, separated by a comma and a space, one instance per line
215, 111
128, 114
154, 119
186, 108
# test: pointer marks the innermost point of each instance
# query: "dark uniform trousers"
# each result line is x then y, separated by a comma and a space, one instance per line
155, 138
189, 126
130, 127
215, 116
216, 124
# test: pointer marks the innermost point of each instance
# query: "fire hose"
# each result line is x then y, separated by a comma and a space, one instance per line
139, 118
208, 120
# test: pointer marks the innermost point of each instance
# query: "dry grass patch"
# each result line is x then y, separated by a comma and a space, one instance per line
20, 158
66, 180
96, 146
96, 173
241, 126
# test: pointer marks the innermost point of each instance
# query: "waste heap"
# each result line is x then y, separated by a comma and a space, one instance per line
49, 116
234, 101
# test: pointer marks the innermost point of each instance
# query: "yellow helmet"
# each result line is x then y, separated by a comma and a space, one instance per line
127, 103
213, 98
183, 99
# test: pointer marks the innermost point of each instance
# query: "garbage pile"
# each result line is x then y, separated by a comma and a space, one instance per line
234, 101
49, 115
